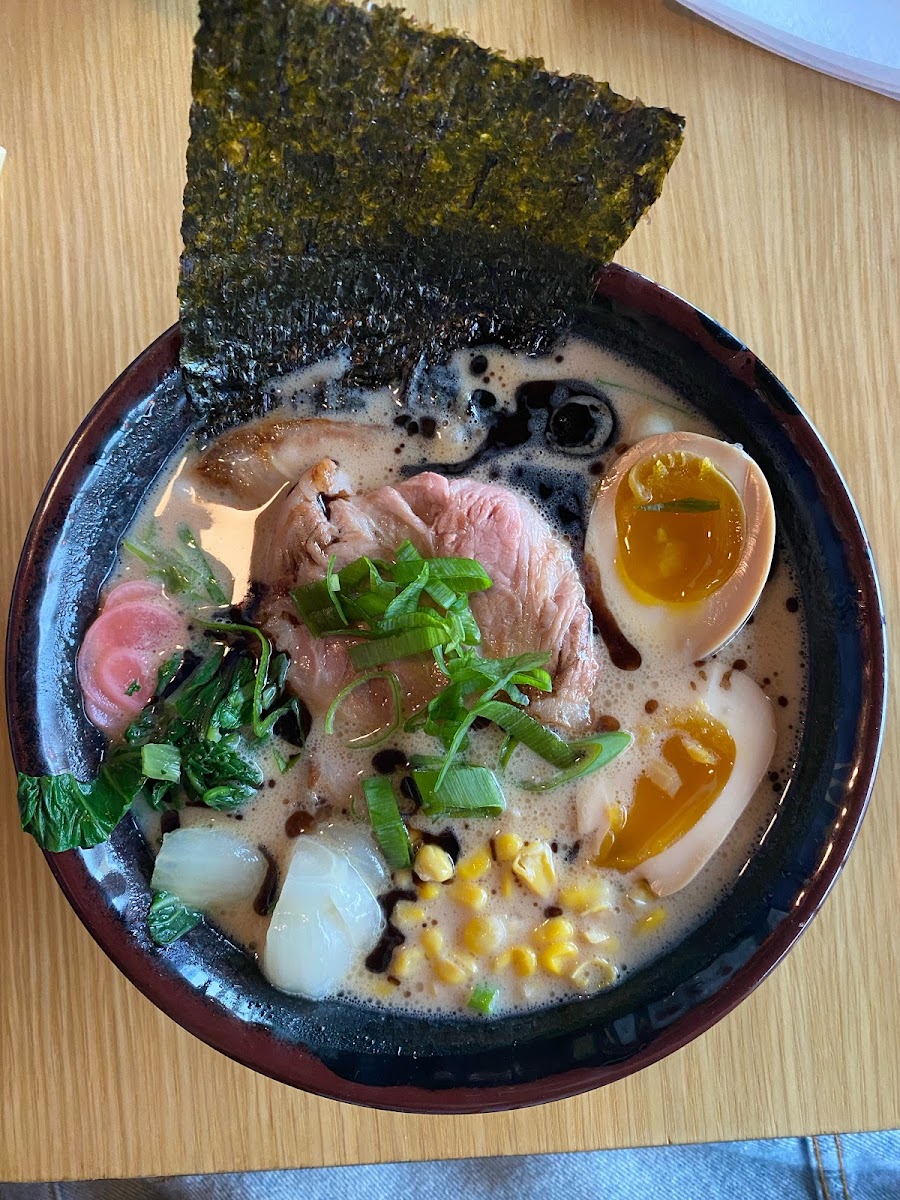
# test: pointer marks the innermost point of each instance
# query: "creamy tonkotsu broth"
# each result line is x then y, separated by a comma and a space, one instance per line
576, 926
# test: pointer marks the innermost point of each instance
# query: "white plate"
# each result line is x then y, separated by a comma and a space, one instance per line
855, 40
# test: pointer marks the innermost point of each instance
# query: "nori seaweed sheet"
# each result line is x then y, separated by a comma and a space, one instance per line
357, 182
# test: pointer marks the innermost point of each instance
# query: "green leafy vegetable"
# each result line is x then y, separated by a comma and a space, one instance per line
459, 791
221, 777
484, 998
686, 504
386, 821
133, 687
62, 813
188, 741
182, 566
168, 919
161, 761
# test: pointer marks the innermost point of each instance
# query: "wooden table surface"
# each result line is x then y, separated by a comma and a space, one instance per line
781, 217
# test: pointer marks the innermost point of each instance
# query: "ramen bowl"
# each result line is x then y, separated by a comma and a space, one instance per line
348, 1051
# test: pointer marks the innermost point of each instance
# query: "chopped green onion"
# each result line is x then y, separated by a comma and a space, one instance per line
593, 753
538, 738
386, 821
161, 760
400, 645
506, 751
133, 687
380, 735
484, 998
333, 586
462, 792
687, 504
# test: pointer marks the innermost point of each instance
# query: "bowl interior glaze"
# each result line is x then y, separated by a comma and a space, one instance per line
350, 1052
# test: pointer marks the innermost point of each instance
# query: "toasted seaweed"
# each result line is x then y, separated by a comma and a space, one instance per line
360, 184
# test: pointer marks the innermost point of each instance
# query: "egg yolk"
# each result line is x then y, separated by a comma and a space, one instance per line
697, 761
680, 527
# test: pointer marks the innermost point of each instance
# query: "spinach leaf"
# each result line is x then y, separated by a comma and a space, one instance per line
168, 918
62, 813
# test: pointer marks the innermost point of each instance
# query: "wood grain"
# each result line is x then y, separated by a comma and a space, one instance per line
782, 218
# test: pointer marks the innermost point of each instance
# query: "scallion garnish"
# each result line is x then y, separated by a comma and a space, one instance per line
381, 735
531, 733
687, 504
459, 791
484, 998
386, 821
591, 753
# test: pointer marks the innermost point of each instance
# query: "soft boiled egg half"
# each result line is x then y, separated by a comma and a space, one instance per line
694, 774
679, 543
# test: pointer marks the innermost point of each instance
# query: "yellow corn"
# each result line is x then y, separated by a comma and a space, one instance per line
448, 971
583, 898
653, 920
640, 895
473, 866
429, 891
557, 957
415, 836
405, 961
409, 913
484, 935
522, 959
508, 886
555, 929
432, 942
473, 895
507, 846
534, 866
434, 865
596, 935
594, 974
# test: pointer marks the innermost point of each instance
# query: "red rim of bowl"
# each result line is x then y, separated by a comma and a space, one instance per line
256, 1047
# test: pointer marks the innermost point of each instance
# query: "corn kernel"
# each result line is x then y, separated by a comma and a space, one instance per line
594, 974
471, 894
429, 891
507, 846
557, 957
432, 942
484, 935
473, 866
448, 971
403, 879
415, 836
584, 898
408, 913
653, 920
523, 960
596, 935
405, 961
534, 865
555, 929
640, 895
434, 865
508, 886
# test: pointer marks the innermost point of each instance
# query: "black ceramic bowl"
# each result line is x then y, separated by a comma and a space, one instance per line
374, 1057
